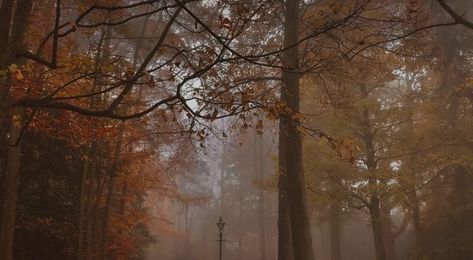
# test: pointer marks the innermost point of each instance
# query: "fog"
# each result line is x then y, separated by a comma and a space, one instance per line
236, 179
236, 130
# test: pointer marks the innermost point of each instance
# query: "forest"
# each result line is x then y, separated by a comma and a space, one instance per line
236, 129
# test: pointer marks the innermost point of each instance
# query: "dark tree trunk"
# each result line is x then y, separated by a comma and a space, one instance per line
84, 193
377, 229
290, 161
388, 237
12, 29
10, 197
93, 237
414, 201
285, 251
6, 15
335, 228
335, 250
371, 164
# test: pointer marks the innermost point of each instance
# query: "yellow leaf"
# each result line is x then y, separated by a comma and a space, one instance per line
13, 67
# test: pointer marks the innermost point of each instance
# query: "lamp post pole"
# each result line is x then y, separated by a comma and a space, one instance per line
220, 240
220, 225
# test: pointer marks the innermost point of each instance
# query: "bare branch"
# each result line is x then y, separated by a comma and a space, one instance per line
457, 17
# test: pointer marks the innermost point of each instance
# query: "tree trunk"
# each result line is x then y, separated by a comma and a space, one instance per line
92, 237
187, 231
222, 180
377, 229
335, 245
10, 197
371, 164
290, 139
93, 204
84, 192
410, 164
285, 251
94, 234
241, 200
12, 28
414, 201
388, 237
6, 15
335, 252
114, 168
259, 172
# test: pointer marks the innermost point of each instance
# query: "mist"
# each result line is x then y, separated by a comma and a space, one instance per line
236, 130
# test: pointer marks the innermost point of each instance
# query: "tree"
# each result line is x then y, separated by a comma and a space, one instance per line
291, 182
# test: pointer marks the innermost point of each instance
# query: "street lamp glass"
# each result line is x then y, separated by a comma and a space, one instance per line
220, 224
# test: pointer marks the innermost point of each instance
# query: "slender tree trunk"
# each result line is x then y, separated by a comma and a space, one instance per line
240, 217
415, 214
335, 243
388, 236
410, 164
188, 230
83, 205
89, 203
290, 139
106, 218
335, 252
93, 197
114, 168
6, 15
10, 197
259, 172
94, 234
222, 180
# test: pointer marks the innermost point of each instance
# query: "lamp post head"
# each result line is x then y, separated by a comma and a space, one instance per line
220, 225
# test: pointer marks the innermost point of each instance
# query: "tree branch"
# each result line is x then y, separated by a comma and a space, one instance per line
457, 17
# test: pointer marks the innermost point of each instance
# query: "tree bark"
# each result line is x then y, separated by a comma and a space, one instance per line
85, 187
10, 197
93, 237
114, 168
335, 252
240, 216
371, 164
285, 251
92, 197
16, 22
6, 15
388, 237
290, 164
259, 172
335, 243
410, 163
377, 228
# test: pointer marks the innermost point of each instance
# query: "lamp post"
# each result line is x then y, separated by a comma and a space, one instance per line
220, 225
